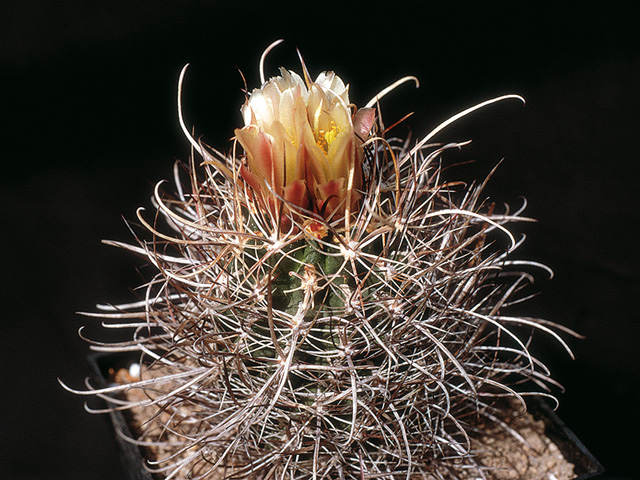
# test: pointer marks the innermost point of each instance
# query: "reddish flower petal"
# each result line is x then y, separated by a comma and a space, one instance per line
296, 194
259, 151
251, 179
329, 196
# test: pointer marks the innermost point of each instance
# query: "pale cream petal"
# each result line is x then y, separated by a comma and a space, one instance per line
247, 114
313, 159
340, 115
341, 155
289, 79
330, 81
288, 102
284, 153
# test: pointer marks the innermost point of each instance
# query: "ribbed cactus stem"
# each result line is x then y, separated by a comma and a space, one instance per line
367, 348
304, 268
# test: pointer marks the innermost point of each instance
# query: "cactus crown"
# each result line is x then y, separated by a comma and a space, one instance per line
326, 305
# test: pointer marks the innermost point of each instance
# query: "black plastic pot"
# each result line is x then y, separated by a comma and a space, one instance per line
130, 454
585, 464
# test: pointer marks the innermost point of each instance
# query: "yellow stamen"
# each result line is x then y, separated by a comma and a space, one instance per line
324, 139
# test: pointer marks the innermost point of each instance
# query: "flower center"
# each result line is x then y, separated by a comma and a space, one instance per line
325, 138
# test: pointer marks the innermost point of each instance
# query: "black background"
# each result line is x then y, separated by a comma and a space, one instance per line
89, 124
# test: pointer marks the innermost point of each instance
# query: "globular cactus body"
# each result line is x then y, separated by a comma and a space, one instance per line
337, 315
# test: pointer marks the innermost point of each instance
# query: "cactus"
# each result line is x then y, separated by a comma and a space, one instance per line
327, 304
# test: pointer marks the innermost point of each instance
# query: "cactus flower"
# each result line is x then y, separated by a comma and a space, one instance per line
303, 144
